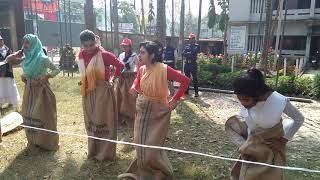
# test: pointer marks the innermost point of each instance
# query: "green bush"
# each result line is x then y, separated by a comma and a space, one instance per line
292, 86
316, 86
224, 80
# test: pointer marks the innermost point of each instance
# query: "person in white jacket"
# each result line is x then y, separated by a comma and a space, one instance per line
125, 101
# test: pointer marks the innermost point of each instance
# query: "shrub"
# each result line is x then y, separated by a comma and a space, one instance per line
316, 86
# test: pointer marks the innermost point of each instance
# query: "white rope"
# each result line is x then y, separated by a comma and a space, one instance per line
176, 150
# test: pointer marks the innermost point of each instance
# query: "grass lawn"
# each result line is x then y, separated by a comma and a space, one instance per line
196, 125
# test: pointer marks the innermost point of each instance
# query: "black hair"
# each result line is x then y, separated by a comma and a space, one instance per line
251, 84
87, 35
155, 48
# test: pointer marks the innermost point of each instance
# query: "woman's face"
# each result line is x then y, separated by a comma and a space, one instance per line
89, 46
26, 44
246, 101
144, 57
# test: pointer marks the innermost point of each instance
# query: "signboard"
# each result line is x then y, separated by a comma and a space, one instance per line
126, 27
238, 37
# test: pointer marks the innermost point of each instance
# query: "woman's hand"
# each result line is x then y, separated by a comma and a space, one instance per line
23, 79
15, 58
133, 92
173, 104
44, 79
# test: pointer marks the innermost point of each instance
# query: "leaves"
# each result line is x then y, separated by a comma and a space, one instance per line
212, 15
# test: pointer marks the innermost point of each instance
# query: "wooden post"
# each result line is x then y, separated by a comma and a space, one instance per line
232, 63
301, 65
285, 67
297, 67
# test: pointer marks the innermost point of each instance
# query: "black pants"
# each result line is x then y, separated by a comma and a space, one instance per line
191, 69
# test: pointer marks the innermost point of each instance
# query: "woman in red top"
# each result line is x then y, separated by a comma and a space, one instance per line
96, 88
153, 113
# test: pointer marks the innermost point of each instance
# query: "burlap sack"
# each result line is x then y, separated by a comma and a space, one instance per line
100, 117
151, 128
39, 110
258, 148
126, 102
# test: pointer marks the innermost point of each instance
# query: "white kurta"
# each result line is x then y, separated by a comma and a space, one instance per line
8, 88
267, 114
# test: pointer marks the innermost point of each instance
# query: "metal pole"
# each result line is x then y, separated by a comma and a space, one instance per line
259, 31
105, 22
111, 17
60, 25
70, 25
65, 20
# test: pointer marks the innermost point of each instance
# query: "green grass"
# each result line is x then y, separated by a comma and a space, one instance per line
190, 129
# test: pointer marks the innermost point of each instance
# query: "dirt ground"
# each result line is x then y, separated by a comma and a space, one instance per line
197, 125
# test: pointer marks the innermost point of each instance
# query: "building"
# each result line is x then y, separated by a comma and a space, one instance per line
302, 31
12, 22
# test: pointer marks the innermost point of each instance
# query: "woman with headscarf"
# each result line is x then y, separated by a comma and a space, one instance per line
153, 113
39, 103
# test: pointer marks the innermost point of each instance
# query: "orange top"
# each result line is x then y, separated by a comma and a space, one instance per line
90, 74
154, 82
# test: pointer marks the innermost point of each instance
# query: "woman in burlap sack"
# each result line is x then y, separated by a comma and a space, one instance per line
98, 99
153, 113
39, 103
126, 102
258, 131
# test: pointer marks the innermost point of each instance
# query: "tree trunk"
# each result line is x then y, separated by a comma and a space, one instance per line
161, 20
143, 24
90, 19
267, 31
225, 42
115, 19
172, 20
181, 34
199, 20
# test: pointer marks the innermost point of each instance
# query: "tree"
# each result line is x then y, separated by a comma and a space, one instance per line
143, 24
212, 17
199, 19
224, 4
90, 20
151, 13
115, 19
181, 34
127, 14
172, 19
267, 33
161, 20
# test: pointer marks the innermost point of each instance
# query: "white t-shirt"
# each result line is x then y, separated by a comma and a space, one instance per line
267, 114
132, 61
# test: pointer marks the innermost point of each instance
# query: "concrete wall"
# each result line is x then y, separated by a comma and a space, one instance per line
239, 10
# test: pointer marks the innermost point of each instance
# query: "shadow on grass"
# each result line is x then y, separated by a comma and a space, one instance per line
30, 165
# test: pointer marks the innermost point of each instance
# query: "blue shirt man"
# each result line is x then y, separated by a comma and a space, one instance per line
190, 53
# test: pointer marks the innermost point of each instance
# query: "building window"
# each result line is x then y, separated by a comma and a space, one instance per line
317, 3
253, 43
293, 43
256, 6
